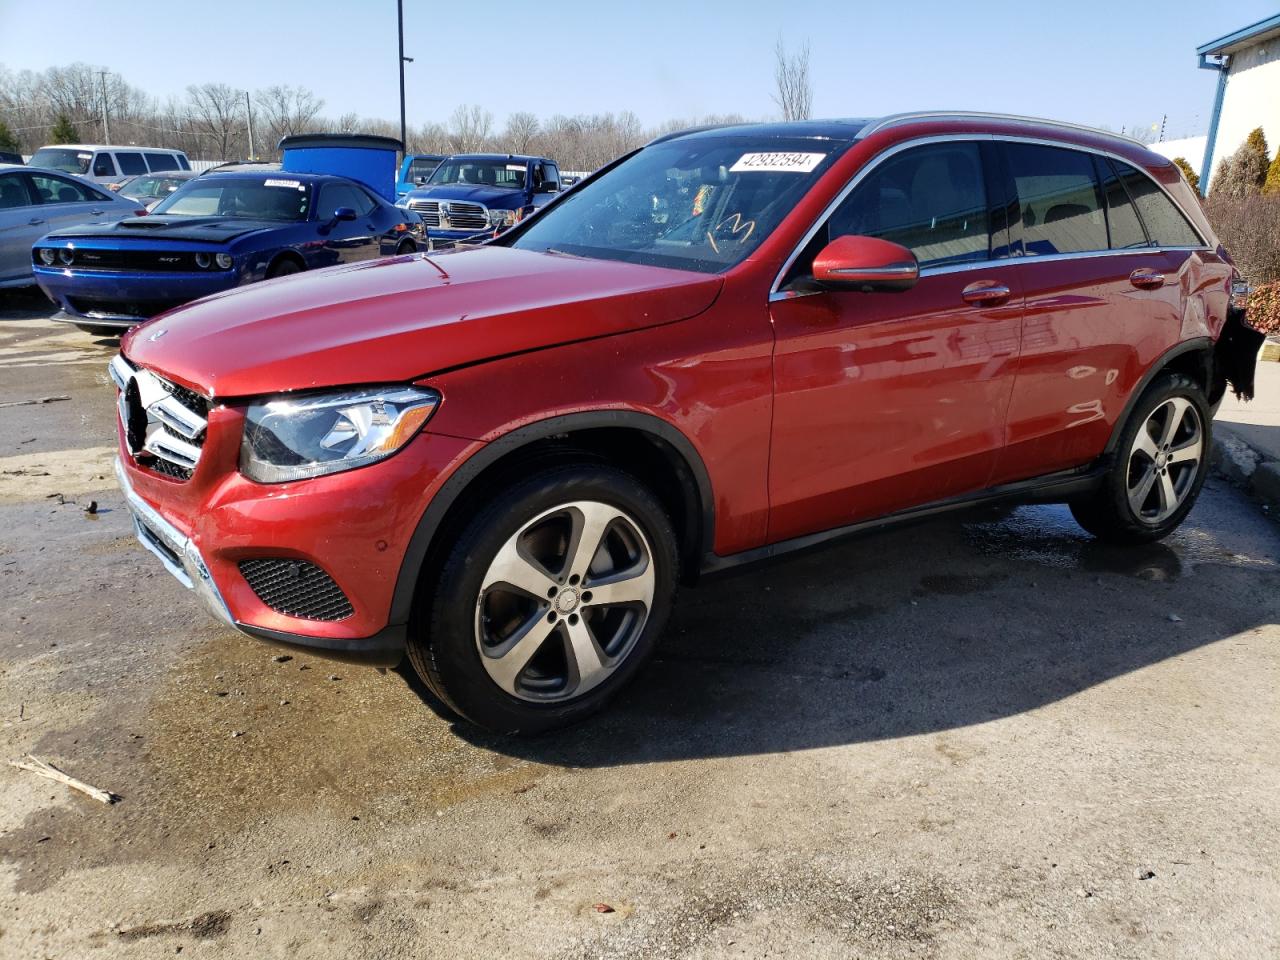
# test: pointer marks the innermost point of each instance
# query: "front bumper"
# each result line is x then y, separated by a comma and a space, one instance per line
438, 239
179, 555
123, 299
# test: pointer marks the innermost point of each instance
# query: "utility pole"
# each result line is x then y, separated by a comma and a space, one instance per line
248, 109
403, 60
1163, 120
106, 134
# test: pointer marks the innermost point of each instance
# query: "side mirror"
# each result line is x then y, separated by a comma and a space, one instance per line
548, 186
344, 213
420, 180
865, 264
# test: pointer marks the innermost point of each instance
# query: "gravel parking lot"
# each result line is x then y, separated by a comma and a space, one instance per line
985, 736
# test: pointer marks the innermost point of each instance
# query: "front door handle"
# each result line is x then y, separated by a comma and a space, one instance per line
1146, 279
96, 213
35, 220
985, 293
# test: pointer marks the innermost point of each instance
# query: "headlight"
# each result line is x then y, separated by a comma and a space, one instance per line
203, 260
67, 256
403, 203
502, 218
293, 437
47, 256
224, 261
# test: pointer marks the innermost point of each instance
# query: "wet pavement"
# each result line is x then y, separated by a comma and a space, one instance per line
964, 738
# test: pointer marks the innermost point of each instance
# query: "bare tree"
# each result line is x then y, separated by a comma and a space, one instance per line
285, 111
217, 112
522, 130
469, 128
795, 89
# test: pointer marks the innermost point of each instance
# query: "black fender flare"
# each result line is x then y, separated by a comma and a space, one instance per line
1161, 363
428, 525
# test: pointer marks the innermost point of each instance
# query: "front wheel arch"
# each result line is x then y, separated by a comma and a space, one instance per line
287, 257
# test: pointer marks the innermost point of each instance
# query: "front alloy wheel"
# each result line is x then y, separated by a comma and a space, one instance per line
551, 598
564, 601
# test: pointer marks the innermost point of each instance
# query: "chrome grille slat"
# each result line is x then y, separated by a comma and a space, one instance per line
174, 432
452, 214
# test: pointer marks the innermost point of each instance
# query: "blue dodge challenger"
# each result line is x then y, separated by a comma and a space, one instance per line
216, 231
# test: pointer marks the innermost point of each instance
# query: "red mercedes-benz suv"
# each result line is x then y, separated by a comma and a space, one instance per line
728, 344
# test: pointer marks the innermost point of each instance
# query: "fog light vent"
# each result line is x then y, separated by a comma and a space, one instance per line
296, 588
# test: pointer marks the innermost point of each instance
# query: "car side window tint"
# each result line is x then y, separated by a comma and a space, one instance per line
13, 192
131, 163
930, 199
1123, 224
181, 161
158, 162
103, 166
335, 195
1165, 222
57, 190
1058, 199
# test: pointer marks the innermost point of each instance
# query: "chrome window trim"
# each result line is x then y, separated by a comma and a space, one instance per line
776, 293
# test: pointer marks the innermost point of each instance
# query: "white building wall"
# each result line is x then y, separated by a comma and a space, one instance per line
1252, 99
1190, 149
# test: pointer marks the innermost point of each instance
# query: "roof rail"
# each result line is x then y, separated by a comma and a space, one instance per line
896, 118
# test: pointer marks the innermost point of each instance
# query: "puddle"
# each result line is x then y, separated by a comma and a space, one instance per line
1047, 534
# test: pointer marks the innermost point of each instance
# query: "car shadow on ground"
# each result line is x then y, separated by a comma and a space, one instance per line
938, 626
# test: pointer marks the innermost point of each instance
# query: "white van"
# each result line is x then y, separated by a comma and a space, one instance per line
103, 164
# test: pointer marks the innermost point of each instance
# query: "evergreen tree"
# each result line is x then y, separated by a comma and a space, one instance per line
8, 142
64, 131
1193, 178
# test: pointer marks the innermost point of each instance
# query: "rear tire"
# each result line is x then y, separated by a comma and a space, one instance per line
595, 556
1161, 462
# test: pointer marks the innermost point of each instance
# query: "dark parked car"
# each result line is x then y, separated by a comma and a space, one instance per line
216, 232
11, 158
473, 195
727, 345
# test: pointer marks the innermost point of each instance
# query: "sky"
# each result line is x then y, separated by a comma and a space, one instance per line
1115, 63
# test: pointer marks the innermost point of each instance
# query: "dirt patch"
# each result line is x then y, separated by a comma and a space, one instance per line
72, 473
206, 926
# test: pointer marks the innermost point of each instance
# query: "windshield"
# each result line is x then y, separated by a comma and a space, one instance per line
257, 198
698, 204
59, 158
148, 188
422, 167
487, 173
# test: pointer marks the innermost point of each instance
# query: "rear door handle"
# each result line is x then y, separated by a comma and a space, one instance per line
34, 220
1146, 279
96, 213
985, 293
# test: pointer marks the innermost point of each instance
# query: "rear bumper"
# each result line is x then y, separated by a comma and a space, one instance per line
118, 298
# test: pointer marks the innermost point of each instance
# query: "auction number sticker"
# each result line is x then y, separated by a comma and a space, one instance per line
777, 163
291, 184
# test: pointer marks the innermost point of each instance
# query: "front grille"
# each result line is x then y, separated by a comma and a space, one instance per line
428, 209
296, 588
164, 423
152, 261
451, 214
102, 308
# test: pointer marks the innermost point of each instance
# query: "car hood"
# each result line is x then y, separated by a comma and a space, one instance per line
402, 318
489, 196
211, 229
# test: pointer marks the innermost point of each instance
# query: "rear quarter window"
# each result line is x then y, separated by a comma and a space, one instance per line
1165, 222
131, 163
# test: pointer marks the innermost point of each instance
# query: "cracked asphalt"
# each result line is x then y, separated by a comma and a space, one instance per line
982, 736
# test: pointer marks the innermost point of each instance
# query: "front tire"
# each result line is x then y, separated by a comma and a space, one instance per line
284, 268
1161, 462
550, 601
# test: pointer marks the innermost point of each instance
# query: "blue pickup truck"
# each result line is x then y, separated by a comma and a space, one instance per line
414, 171
473, 195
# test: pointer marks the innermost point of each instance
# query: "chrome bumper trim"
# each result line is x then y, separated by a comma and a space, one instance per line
178, 554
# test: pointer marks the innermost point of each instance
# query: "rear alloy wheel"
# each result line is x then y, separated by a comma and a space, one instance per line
550, 601
1161, 462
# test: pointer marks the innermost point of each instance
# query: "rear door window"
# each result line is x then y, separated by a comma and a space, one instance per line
103, 166
57, 190
1060, 207
1164, 221
131, 163
930, 199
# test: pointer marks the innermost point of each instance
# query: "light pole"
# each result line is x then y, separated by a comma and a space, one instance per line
404, 146
248, 109
106, 134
